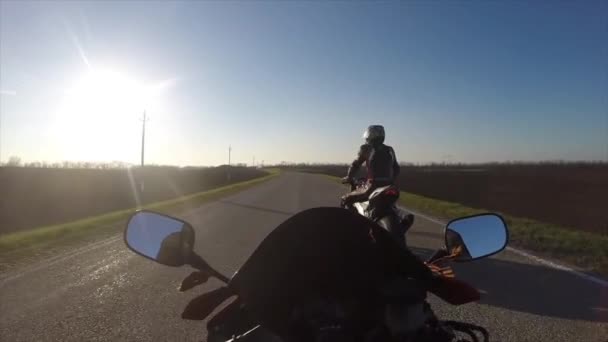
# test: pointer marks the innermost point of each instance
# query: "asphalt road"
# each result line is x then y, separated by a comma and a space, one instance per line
104, 292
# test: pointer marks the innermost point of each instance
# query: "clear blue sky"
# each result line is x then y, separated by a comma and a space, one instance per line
478, 81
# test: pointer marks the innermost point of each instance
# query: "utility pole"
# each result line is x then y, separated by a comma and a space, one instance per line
143, 148
253, 161
0, 138
143, 138
228, 176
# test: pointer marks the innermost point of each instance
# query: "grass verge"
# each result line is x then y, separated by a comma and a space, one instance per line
17, 246
586, 250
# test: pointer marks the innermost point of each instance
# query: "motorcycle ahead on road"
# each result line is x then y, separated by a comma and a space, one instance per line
381, 207
326, 274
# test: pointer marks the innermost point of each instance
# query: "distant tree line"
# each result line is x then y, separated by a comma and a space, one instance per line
461, 164
15, 161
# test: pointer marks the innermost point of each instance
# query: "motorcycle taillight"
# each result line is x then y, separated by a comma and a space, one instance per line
391, 192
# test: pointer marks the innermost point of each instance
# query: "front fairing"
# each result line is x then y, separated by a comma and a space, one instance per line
321, 252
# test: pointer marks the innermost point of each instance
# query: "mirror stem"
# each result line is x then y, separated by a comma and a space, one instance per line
197, 262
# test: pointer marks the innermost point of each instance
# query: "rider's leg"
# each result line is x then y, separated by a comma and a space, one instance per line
359, 195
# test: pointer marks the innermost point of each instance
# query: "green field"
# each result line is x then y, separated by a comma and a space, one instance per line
586, 250
15, 247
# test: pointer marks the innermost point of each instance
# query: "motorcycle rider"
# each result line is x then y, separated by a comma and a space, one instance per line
380, 161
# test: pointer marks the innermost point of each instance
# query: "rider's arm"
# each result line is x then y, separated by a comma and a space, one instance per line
396, 167
356, 164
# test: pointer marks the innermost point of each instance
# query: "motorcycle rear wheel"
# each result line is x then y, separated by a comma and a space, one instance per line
392, 224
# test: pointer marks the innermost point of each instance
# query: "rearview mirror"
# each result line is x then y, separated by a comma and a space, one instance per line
475, 237
164, 239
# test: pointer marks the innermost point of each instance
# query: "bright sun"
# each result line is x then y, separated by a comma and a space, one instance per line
106, 93
97, 116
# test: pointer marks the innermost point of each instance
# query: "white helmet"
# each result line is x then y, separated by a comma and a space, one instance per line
374, 134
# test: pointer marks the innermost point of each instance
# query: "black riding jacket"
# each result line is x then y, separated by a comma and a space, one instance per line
380, 161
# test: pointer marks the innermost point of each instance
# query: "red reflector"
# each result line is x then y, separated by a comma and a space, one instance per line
391, 192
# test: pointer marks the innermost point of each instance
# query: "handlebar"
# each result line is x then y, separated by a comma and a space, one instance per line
353, 181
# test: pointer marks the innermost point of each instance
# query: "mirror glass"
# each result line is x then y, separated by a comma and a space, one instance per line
476, 236
161, 238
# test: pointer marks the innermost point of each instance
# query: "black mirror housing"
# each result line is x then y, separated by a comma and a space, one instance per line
161, 238
475, 237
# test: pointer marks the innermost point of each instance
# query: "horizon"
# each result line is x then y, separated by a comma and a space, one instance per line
452, 82
18, 163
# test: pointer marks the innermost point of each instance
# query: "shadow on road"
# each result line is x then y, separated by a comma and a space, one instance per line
533, 289
258, 208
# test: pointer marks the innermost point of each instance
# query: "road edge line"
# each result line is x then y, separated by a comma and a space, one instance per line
545, 262
542, 261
